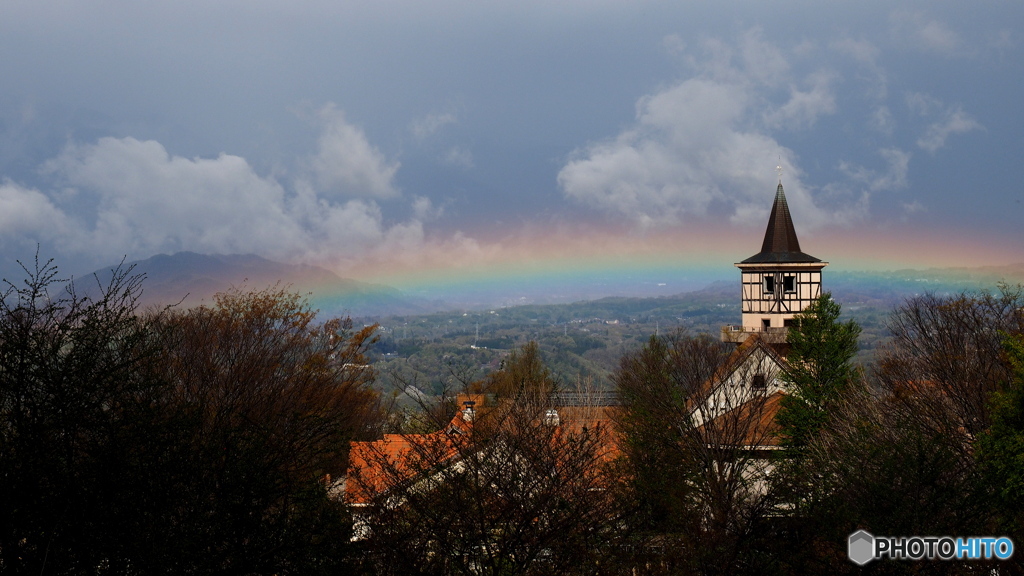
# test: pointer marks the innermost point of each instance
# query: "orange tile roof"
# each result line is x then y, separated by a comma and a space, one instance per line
758, 415
379, 466
375, 466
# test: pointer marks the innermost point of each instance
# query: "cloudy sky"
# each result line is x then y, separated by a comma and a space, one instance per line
397, 139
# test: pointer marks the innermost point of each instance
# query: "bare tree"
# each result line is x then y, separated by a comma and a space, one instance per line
946, 357
74, 379
897, 454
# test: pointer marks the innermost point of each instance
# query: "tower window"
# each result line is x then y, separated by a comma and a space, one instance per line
789, 284
769, 284
757, 383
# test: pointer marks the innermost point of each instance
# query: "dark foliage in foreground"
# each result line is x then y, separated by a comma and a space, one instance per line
202, 441
176, 441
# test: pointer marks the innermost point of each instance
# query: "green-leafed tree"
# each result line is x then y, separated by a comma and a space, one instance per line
821, 368
653, 396
820, 374
696, 488
522, 373
1001, 447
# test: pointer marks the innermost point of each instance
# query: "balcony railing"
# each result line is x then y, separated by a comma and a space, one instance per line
737, 334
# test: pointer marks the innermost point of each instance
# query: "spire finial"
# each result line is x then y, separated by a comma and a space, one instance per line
779, 169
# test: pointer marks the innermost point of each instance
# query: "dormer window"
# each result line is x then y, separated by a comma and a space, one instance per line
758, 382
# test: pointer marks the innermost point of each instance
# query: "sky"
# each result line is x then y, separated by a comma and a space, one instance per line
427, 143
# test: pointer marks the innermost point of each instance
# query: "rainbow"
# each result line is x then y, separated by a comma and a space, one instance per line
591, 262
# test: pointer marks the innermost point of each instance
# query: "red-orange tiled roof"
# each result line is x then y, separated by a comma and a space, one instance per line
757, 417
376, 466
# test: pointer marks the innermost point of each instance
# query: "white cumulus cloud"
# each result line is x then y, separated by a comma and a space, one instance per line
949, 120
703, 146
424, 209
346, 164
148, 200
459, 158
805, 106
121, 196
29, 215
892, 177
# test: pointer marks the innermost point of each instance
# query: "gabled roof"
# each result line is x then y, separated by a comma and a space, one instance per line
755, 342
756, 411
780, 242
396, 456
761, 429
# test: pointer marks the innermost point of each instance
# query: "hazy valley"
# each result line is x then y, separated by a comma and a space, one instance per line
435, 345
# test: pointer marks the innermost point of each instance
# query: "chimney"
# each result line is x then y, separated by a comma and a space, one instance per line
551, 417
468, 410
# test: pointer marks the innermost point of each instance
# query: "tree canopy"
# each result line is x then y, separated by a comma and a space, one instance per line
820, 369
173, 441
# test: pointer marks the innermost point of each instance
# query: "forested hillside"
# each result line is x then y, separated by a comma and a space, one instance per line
586, 340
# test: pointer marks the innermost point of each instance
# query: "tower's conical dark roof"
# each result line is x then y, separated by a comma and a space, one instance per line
780, 242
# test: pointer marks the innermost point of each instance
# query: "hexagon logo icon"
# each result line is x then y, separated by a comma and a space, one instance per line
861, 547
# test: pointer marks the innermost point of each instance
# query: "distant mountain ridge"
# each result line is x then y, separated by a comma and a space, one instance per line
190, 279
